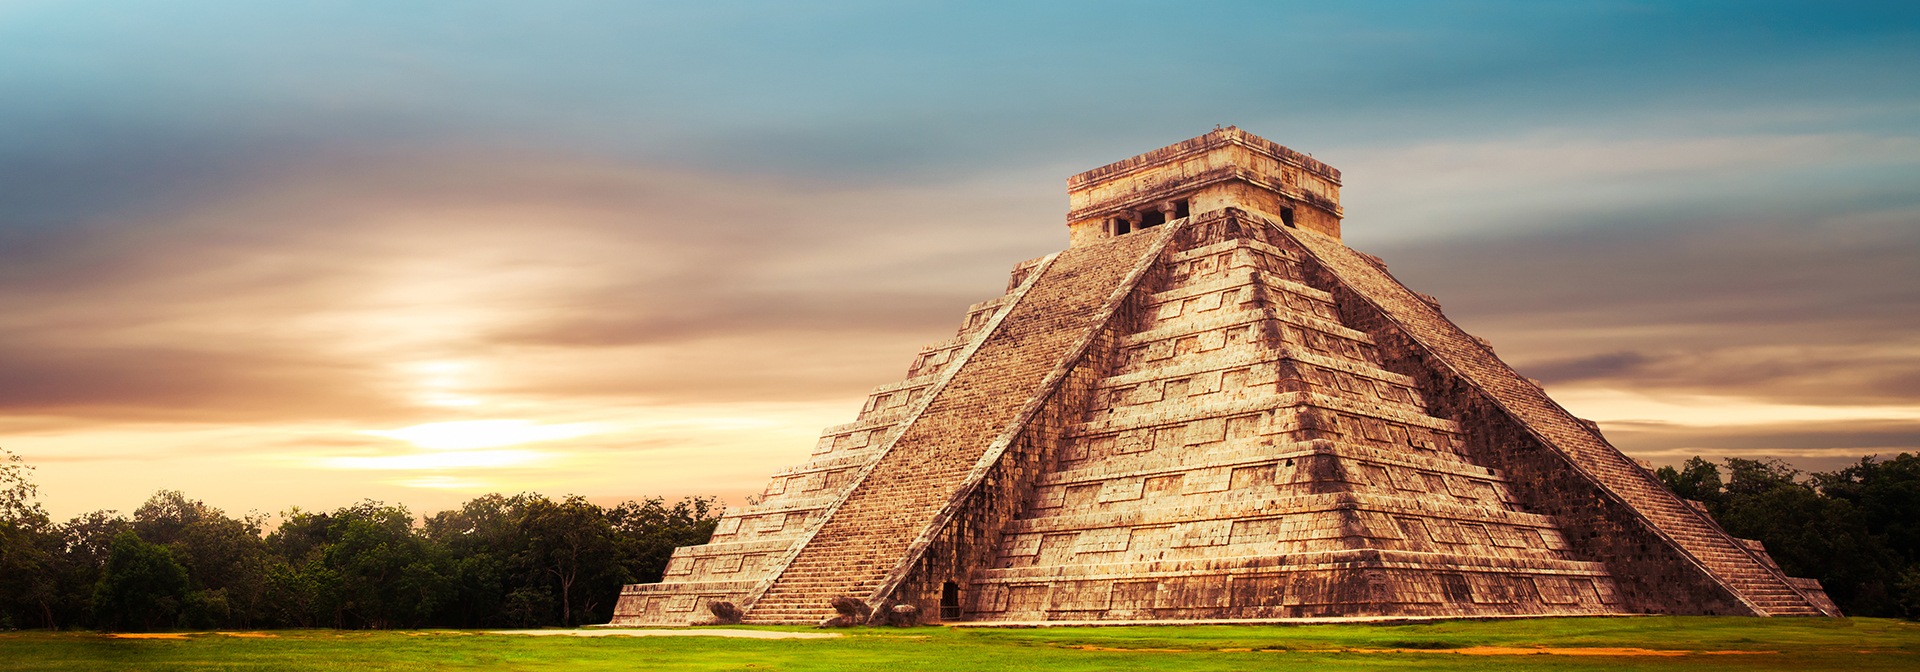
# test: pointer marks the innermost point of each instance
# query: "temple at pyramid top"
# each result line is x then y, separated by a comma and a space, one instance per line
1209, 408
1226, 168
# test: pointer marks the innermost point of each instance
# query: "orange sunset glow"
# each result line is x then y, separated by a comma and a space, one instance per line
293, 256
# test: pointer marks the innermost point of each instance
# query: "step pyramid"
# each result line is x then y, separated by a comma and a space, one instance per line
1208, 407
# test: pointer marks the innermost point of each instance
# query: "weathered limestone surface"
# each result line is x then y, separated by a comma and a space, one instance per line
1208, 407
1657, 544
1247, 457
862, 542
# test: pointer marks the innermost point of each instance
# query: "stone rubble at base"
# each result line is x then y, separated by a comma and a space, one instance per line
1210, 408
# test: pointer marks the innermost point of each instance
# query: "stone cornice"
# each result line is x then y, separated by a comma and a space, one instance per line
1204, 143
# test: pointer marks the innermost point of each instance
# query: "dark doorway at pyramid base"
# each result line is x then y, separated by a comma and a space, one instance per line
950, 609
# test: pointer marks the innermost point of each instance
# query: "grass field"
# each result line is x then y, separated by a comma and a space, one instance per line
1692, 643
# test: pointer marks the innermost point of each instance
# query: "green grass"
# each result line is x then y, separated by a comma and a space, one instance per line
1799, 644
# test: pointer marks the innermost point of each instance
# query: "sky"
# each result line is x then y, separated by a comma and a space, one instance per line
310, 253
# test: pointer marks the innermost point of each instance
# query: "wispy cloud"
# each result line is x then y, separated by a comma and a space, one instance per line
472, 434
1641, 408
1568, 179
466, 322
233, 238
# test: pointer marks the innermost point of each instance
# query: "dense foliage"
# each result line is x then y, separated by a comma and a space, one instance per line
525, 560
1857, 530
520, 561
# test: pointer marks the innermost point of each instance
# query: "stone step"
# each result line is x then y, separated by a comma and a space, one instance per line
1530, 406
868, 535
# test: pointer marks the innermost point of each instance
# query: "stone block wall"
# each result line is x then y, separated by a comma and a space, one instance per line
1247, 457
1666, 556
752, 545
875, 537
1225, 168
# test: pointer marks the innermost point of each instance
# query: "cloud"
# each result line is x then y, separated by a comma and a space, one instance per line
1827, 374
458, 459
183, 383
1810, 445
348, 293
1818, 310
472, 434
1701, 410
1546, 157
263, 323
232, 238
322, 293
1550, 178
1588, 367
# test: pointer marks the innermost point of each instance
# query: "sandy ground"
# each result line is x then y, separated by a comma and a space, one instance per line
1315, 620
754, 634
1472, 651
1578, 651
183, 635
759, 634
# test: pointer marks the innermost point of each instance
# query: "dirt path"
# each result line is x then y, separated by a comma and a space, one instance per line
752, 634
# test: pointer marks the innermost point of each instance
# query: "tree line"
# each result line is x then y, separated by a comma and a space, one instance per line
497, 561
1857, 530
526, 560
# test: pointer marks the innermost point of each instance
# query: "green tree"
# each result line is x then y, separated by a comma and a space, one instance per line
390, 576
1886, 496
572, 544
142, 587
1758, 477
1887, 493
1807, 531
529, 606
1814, 536
165, 516
17, 492
305, 592
1698, 480
82, 549
649, 531
29, 545
481, 538
30, 560
225, 557
483, 524
359, 566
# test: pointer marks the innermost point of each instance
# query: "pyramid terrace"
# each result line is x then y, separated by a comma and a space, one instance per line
1209, 408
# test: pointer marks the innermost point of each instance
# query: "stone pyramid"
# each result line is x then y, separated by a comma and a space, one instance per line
1208, 407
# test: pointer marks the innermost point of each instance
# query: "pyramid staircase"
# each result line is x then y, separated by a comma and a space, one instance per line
1747, 572
1247, 457
862, 542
